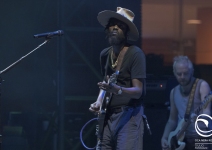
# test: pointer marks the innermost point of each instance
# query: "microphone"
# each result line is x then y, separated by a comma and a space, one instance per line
49, 34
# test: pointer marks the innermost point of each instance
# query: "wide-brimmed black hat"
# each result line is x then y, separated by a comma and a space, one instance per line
124, 15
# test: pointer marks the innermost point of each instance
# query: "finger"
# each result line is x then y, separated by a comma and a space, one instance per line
103, 84
93, 109
103, 88
99, 83
90, 109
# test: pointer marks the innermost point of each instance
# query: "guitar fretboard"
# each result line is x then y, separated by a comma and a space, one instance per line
204, 104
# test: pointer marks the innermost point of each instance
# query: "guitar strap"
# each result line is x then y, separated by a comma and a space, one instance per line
107, 62
191, 97
121, 57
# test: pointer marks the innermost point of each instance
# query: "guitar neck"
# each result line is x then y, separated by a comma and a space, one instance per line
203, 105
101, 97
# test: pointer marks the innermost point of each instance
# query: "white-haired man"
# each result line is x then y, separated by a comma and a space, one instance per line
183, 104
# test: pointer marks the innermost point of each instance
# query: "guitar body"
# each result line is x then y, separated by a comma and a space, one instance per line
175, 139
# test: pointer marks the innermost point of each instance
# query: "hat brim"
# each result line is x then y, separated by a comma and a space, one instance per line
104, 16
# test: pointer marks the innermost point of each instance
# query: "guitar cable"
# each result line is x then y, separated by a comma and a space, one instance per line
81, 139
147, 124
81, 131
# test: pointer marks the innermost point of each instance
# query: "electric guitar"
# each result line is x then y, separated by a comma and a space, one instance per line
105, 97
175, 139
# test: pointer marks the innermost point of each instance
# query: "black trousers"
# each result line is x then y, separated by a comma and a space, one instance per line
123, 130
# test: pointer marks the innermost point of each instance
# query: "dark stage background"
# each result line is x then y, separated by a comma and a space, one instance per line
45, 98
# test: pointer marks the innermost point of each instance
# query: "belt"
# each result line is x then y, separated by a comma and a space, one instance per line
122, 108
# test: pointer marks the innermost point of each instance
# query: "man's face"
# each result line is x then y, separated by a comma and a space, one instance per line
116, 31
183, 73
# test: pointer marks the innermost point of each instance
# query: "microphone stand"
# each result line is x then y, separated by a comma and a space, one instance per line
16, 62
8, 68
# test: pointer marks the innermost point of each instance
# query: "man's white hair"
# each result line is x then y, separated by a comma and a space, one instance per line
182, 59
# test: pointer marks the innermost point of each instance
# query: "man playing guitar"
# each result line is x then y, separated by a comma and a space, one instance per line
179, 99
123, 124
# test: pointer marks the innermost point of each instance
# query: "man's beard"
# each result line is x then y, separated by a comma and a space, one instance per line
187, 82
116, 40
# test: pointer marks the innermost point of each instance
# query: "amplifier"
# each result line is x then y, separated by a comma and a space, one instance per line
158, 89
155, 85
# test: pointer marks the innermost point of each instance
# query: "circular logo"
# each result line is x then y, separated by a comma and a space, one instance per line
198, 130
